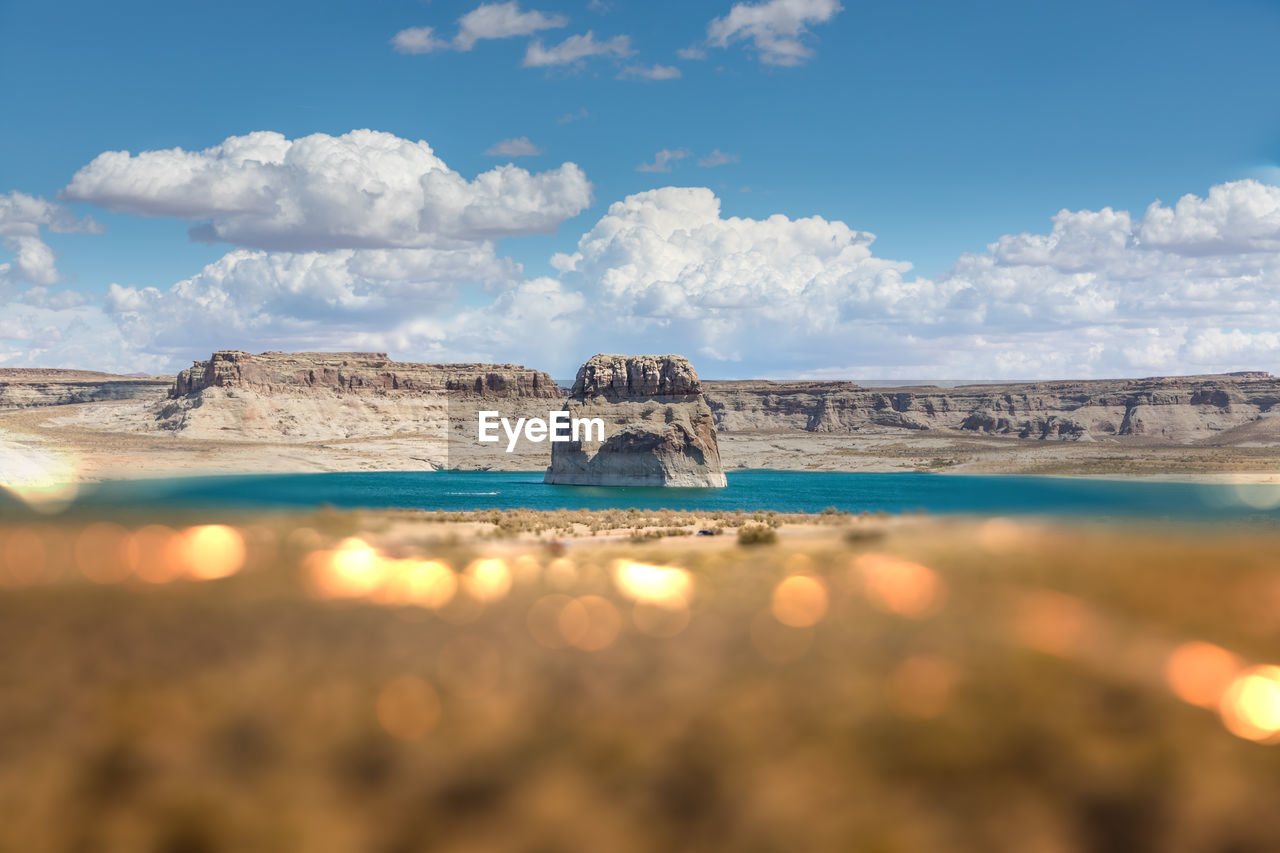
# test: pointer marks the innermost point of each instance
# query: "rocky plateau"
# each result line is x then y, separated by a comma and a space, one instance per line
238, 411
318, 396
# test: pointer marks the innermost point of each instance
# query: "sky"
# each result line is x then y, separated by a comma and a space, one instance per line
781, 188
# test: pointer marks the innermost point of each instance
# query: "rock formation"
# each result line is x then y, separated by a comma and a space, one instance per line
659, 431
1170, 410
309, 396
25, 388
362, 411
359, 373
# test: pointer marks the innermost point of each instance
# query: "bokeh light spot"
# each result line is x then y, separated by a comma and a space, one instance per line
1199, 673
487, 579
1250, 706
664, 586
426, 583
351, 570
213, 551
154, 553
799, 601
561, 573
46, 479
900, 586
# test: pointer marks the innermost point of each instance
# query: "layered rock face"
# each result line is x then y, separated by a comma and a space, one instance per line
1178, 410
659, 431
25, 388
323, 396
357, 372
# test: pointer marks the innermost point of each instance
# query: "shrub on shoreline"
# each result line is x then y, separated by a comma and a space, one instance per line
756, 533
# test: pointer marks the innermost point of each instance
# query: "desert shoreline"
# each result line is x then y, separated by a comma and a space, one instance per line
82, 456
53, 455
241, 413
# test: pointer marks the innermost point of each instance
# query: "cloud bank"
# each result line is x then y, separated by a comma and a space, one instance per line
368, 241
1185, 288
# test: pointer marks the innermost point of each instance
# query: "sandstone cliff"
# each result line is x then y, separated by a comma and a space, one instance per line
659, 430
367, 373
278, 396
1175, 410
26, 388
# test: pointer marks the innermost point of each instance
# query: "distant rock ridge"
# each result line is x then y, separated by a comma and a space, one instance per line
659, 431
369, 398
1176, 410
35, 387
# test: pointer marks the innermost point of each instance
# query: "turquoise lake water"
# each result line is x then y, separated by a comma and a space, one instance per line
786, 491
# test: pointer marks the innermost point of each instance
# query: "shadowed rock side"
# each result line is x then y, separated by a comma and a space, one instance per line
311, 396
659, 430
1172, 410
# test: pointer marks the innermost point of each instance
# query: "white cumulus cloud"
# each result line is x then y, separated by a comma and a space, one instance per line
364, 189
1189, 287
1241, 216
807, 296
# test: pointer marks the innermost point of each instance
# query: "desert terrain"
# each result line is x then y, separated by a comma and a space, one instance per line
360, 411
580, 681
78, 439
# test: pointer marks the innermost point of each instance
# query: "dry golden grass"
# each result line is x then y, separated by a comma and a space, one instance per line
400, 681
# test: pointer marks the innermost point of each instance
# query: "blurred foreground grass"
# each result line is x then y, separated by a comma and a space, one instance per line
400, 682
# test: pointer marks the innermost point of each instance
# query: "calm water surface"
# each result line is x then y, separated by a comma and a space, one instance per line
786, 491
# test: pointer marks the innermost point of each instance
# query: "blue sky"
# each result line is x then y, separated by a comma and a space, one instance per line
939, 127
